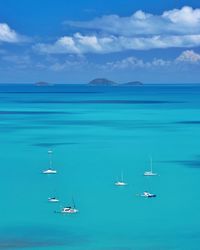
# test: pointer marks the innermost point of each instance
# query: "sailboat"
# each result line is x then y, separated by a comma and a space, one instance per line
148, 195
69, 209
150, 173
53, 199
50, 170
121, 182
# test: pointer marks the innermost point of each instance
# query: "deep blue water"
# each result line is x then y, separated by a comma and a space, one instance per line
95, 133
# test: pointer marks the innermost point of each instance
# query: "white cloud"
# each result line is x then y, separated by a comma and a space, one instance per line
74, 62
135, 63
182, 21
188, 56
9, 35
80, 44
140, 31
128, 63
160, 63
186, 16
68, 65
131, 62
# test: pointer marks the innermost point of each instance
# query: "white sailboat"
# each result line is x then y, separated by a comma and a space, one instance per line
53, 199
148, 195
121, 181
50, 170
69, 209
150, 173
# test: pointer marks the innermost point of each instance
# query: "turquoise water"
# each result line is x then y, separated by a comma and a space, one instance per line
95, 133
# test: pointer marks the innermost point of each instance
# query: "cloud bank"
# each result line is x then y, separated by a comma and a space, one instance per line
82, 44
185, 58
177, 28
182, 21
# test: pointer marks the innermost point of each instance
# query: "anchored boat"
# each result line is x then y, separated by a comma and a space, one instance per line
50, 170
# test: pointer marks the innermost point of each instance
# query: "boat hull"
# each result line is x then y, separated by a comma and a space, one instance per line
120, 184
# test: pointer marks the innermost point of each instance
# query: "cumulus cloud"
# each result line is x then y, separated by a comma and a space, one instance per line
188, 56
9, 35
80, 44
185, 17
77, 44
182, 21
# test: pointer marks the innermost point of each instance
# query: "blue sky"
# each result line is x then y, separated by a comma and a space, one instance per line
123, 40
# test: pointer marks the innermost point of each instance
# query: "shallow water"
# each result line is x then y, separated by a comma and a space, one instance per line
95, 133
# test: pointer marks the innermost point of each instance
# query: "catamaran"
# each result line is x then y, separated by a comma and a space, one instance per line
50, 170
69, 209
121, 182
150, 173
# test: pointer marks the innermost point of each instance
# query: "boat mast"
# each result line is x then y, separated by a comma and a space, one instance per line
122, 177
151, 163
50, 158
73, 202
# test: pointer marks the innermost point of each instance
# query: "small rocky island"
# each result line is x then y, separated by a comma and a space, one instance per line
102, 82
107, 82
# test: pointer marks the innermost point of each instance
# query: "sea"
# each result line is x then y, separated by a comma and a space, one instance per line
97, 133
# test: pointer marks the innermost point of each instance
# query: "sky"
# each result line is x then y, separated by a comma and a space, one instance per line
62, 41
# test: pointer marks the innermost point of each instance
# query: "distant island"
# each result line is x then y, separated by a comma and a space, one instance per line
102, 82
107, 82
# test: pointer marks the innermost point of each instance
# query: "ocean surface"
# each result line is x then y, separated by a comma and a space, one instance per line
95, 134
